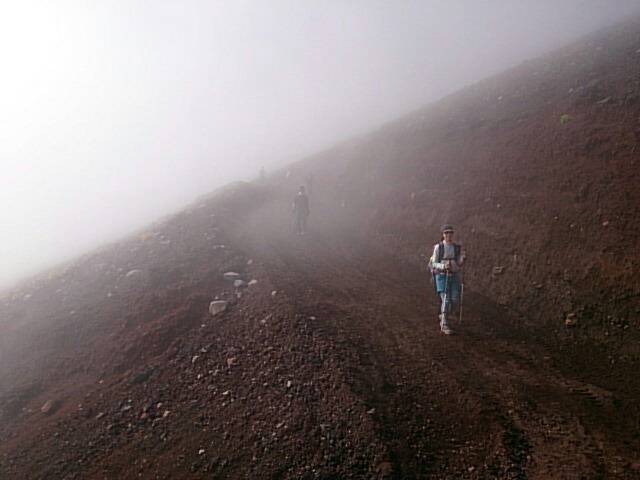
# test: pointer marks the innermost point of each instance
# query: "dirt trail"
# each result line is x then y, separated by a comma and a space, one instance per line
485, 403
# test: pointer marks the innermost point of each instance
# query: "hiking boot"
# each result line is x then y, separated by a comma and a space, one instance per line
444, 325
444, 328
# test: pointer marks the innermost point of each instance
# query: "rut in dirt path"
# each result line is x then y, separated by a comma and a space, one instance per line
482, 404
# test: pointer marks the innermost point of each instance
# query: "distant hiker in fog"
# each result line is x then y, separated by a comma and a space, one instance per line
446, 264
300, 211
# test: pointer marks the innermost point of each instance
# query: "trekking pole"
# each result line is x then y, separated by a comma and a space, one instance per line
461, 298
445, 299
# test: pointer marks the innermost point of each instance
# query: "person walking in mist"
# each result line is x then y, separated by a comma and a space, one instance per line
446, 265
300, 211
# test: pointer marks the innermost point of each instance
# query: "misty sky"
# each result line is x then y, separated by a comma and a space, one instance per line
113, 113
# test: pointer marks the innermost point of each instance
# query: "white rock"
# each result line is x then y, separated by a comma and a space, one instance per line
195, 358
217, 306
274, 293
238, 283
253, 282
131, 273
231, 276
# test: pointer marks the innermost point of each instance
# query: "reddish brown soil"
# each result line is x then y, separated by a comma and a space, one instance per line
342, 373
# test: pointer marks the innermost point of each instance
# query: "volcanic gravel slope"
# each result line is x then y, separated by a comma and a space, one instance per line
332, 365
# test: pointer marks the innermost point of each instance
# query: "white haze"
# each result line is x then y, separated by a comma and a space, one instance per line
113, 113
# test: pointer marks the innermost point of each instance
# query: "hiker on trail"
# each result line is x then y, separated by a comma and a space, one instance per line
446, 263
300, 211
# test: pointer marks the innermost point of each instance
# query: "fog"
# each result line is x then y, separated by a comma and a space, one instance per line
114, 113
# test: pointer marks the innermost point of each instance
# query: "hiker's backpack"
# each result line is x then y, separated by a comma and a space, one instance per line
457, 249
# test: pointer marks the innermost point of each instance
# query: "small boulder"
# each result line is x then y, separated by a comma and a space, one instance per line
498, 270
384, 469
217, 306
50, 407
141, 377
132, 273
571, 320
565, 118
239, 283
253, 282
231, 276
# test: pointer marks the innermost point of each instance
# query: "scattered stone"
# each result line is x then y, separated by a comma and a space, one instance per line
217, 306
50, 407
253, 282
226, 392
141, 377
100, 415
571, 320
384, 469
166, 414
289, 383
249, 262
131, 273
605, 223
231, 361
274, 293
371, 411
498, 270
238, 283
565, 118
231, 276
201, 451
604, 100
194, 359
537, 285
